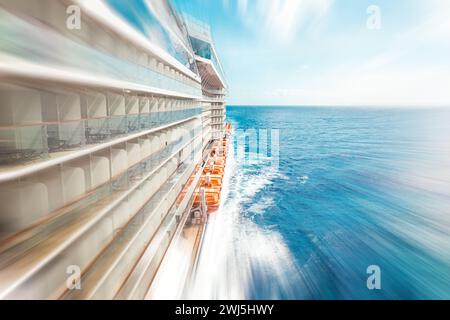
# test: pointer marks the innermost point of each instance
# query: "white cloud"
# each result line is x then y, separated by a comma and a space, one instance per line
281, 19
242, 7
284, 17
398, 76
394, 66
286, 93
437, 27
386, 86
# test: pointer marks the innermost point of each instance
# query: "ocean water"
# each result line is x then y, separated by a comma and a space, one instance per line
336, 191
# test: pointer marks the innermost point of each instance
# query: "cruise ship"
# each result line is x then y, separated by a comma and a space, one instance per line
109, 112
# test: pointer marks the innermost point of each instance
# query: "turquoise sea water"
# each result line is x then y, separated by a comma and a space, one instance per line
352, 188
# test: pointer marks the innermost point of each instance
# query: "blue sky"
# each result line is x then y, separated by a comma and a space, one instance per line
321, 52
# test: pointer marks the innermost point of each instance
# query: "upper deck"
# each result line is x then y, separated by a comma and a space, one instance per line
208, 63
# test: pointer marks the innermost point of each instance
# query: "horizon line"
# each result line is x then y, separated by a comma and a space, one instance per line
343, 106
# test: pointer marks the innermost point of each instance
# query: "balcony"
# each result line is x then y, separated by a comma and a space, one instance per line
36, 123
119, 60
80, 231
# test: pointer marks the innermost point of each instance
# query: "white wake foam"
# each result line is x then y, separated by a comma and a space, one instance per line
238, 257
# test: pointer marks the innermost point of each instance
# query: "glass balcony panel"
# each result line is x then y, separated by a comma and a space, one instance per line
133, 123
97, 131
65, 136
145, 121
22, 143
147, 165
154, 119
121, 182
118, 126
135, 174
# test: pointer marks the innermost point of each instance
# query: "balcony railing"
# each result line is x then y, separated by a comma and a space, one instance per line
147, 228
129, 189
22, 39
27, 142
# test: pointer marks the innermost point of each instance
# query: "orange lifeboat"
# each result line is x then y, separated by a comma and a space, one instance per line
220, 161
212, 196
216, 169
213, 172
214, 181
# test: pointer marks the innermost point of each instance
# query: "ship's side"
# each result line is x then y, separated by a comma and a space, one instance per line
105, 127
178, 267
